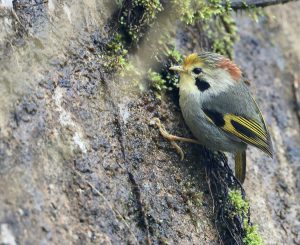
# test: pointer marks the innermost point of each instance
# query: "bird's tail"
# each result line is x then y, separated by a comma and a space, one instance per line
240, 166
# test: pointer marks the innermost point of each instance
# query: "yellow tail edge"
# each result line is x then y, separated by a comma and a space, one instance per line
240, 166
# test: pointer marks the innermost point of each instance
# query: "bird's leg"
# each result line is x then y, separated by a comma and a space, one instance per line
173, 138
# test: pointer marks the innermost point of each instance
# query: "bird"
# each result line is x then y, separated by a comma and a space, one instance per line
219, 109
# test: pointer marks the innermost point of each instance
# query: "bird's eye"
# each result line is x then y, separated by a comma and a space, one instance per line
197, 70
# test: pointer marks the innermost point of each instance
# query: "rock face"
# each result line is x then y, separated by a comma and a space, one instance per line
269, 53
80, 161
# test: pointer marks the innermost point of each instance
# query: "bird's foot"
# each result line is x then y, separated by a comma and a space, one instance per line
173, 138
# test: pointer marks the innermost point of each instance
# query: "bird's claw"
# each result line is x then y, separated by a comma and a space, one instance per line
169, 137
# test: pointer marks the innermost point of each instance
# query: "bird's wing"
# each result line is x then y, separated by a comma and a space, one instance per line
239, 116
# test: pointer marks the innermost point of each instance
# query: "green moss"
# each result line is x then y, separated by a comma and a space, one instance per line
157, 83
241, 208
255, 13
185, 11
252, 237
225, 35
136, 16
175, 56
190, 11
163, 79
117, 53
215, 18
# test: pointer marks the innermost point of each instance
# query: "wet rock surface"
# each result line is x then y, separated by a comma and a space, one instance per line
269, 54
80, 161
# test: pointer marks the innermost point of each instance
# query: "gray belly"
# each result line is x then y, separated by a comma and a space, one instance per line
206, 132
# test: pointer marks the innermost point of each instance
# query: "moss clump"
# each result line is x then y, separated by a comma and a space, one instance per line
174, 57
191, 11
252, 237
136, 16
117, 53
225, 35
157, 83
186, 11
241, 208
216, 20
163, 79
255, 13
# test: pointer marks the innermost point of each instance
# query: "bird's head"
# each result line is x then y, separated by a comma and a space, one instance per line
208, 70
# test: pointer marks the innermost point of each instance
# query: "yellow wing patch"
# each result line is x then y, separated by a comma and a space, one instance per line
248, 131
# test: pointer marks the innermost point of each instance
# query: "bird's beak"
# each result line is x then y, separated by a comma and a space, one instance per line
177, 68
